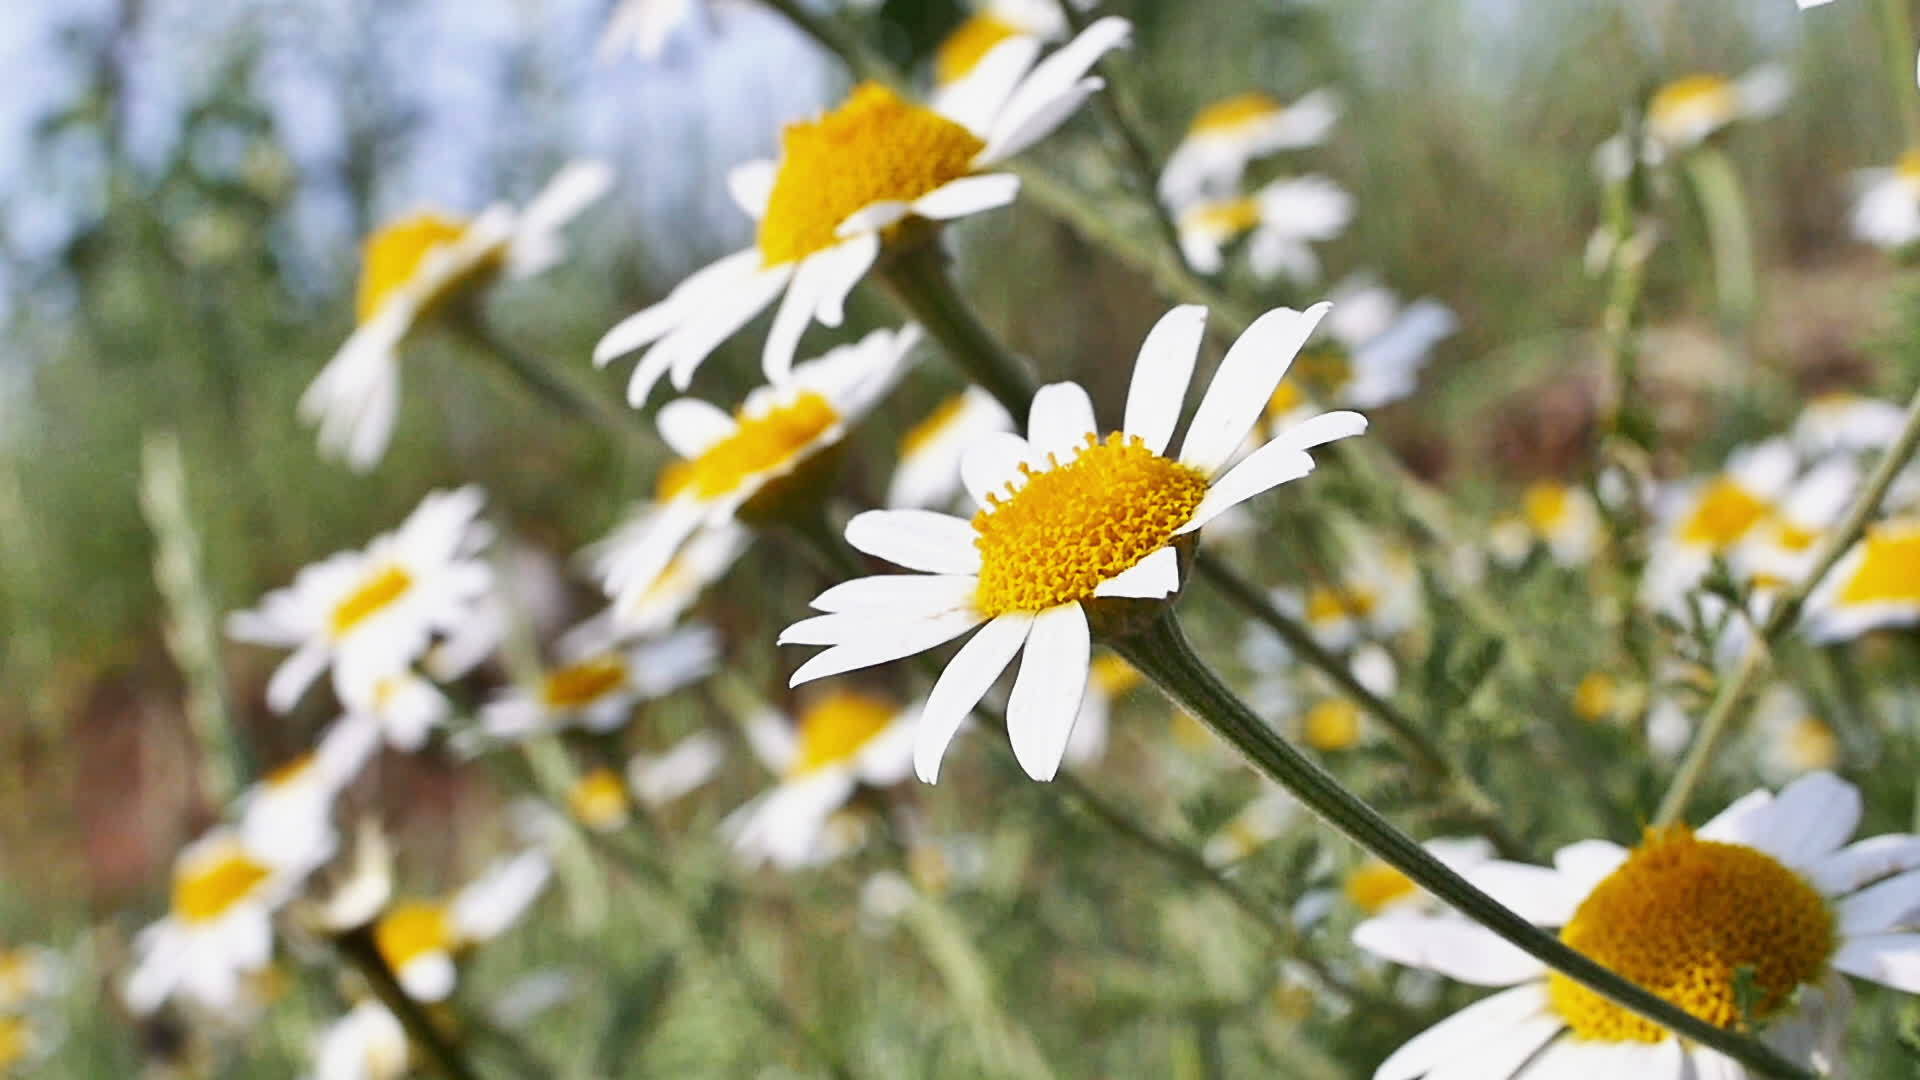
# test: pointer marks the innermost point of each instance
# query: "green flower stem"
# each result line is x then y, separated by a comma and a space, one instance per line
1732, 695
541, 377
916, 275
1896, 21
1161, 652
358, 948
1724, 204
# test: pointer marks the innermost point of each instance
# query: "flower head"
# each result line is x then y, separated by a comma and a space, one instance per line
291, 808
1754, 916
420, 939
598, 684
1227, 135
365, 1044
840, 741
1875, 584
1368, 353
1685, 112
1067, 518
842, 183
1279, 221
1711, 518
928, 473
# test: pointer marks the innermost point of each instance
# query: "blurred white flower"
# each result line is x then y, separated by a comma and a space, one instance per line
928, 472
1368, 353
597, 686
1875, 584
1225, 136
1257, 824
365, 1044
420, 939
658, 779
1685, 112
1847, 423
291, 808
841, 741
1793, 739
1707, 519
1563, 517
1280, 221
1377, 596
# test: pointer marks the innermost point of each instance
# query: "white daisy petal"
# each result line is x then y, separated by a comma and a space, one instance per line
917, 539
690, 426
992, 462
1809, 818
966, 679
1501, 1053
1245, 381
650, 324
1708, 1064
1867, 860
751, 184
1734, 824
1038, 124
1155, 577
1059, 422
919, 593
1058, 77
719, 320
1047, 692
1464, 1032
428, 977
1889, 905
1588, 862
1450, 945
967, 195
1888, 959
1161, 375
900, 639
297, 672
795, 314
973, 102
1537, 894
1261, 471
850, 261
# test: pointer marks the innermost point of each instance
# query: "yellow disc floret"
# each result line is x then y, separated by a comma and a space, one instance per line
393, 255
922, 435
1375, 886
1235, 113
1683, 917
1693, 102
376, 593
1596, 697
877, 147
16, 1041
1072, 526
969, 44
835, 728
584, 683
1224, 219
1113, 675
1722, 515
412, 929
1889, 569
1333, 724
599, 800
1908, 167
208, 888
1545, 507
758, 445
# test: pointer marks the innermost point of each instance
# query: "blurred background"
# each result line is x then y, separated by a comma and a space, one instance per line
184, 185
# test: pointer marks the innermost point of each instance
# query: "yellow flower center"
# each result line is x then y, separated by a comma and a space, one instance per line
1908, 167
834, 729
1683, 917
1235, 113
1696, 99
584, 683
374, 595
1595, 697
758, 444
1792, 537
969, 44
1375, 886
18, 973
1326, 604
1889, 571
412, 929
1722, 515
1287, 397
1113, 675
599, 800
1072, 526
393, 254
1545, 507
1333, 724
922, 434
877, 147
210, 887
16, 1041
1322, 371
1227, 218
1810, 744
290, 773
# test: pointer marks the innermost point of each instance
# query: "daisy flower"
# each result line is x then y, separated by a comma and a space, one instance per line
731, 461
1374, 888
645, 612
291, 808
599, 800
29, 973
928, 472
843, 740
1563, 517
1765, 887
402, 706
409, 270
1685, 112
365, 1044
658, 779
1013, 25
1377, 596
598, 686
1066, 519
1710, 518
420, 939
841, 182
373, 612
1780, 550
1793, 739
1843, 422
219, 924
1368, 353
1886, 208
1279, 221
1597, 697
1228, 134
1875, 584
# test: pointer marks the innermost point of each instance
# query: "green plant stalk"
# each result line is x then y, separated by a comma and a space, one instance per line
1162, 653
916, 276
358, 948
541, 378
1896, 22
1724, 204
1731, 695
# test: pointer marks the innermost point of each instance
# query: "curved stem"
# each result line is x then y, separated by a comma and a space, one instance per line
1161, 652
1733, 693
358, 948
539, 376
916, 276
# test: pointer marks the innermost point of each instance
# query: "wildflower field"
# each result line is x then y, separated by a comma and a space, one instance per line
967, 538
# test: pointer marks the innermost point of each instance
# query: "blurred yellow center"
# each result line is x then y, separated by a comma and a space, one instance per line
16, 1041
1722, 515
1326, 604
834, 729
1594, 698
1908, 167
1333, 724
18, 974
599, 800
209, 888
1694, 100
1287, 397
758, 445
1681, 917
963, 50
1069, 527
375, 594
922, 434
1889, 569
392, 256
1810, 745
1794, 538
584, 683
291, 773
1113, 675
1545, 507
1375, 886
1234, 113
1227, 218
875, 148
412, 929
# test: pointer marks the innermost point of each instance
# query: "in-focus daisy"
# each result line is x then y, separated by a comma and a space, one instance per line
928, 472
1766, 887
365, 1044
841, 185
1875, 584
373, 612
1368, 353
1225, 136
1845, 422
598, 685
1066, 519
1280, 221
735, 465
1685, 112
291, 808
1708, 519
1565, 518
420, 939
412, 268
219, 924
842, 740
